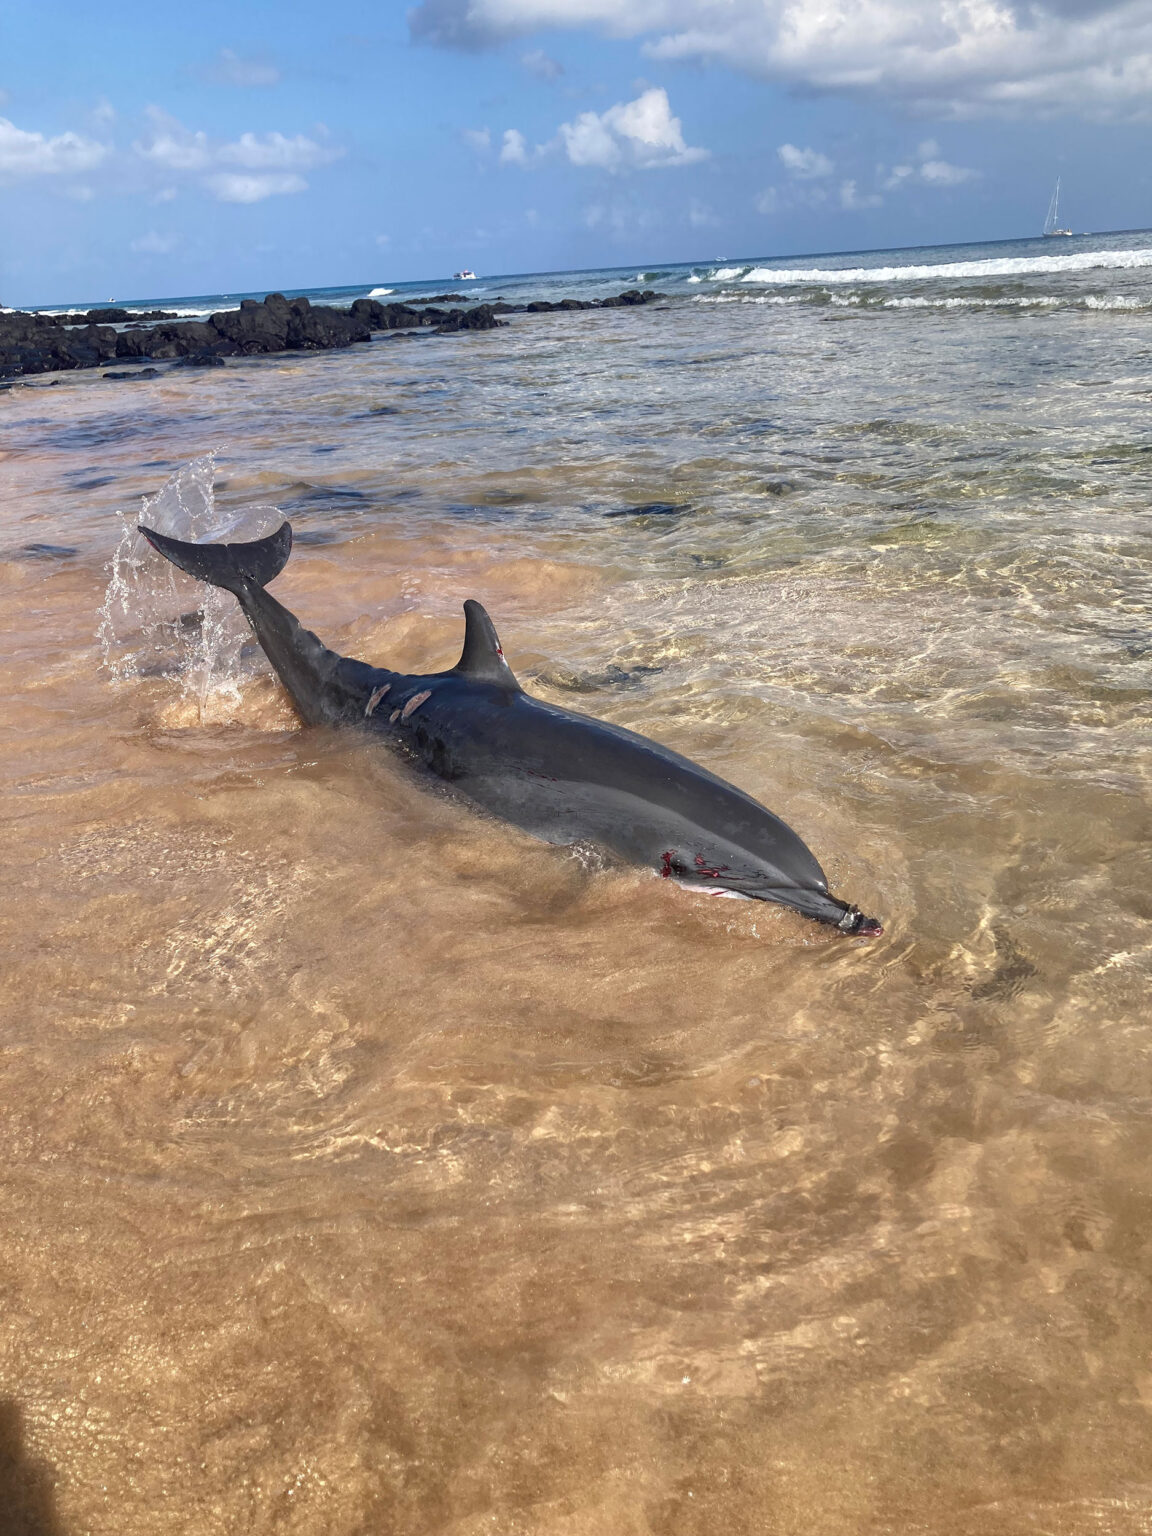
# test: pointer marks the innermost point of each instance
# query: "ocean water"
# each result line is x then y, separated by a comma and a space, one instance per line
370, 1167
1089, 271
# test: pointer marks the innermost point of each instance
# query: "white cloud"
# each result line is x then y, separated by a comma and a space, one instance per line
228, 68
940, 174
963, 57
514, 150
273, 161
173, 146
700, 216
767, 201
153, 244
233, 187
804, 164
932, 171
852, 200
383, 240
274, 151
104, 113
31, 154
478, 139
538, 63
637, 135
589, 141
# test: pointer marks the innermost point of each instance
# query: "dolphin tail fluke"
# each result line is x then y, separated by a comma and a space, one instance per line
231, 566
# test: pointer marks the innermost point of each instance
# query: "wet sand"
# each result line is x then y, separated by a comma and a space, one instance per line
370, 1167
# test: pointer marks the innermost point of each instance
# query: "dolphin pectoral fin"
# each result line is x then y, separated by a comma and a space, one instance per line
482, 659
231, 566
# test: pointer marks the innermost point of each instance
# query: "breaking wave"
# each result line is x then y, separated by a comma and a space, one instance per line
874, 301
1004, 266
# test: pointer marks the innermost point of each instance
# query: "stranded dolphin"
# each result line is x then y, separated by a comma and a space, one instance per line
559, 775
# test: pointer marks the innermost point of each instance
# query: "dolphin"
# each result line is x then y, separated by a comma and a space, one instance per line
564, 777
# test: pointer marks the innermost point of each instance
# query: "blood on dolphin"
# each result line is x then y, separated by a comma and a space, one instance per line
560, 775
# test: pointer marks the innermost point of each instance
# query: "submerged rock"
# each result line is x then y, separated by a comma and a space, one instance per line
652, 509
47, 551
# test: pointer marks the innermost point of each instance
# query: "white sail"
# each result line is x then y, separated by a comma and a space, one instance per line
1051, 223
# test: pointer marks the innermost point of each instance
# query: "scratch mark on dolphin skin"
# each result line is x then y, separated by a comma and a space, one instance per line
705, 871
377, 695
415, 702
393, 717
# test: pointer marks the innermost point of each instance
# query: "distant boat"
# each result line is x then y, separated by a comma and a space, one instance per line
1051, 225
464, 277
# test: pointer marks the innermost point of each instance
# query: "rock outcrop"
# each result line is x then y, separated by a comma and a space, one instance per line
44, 343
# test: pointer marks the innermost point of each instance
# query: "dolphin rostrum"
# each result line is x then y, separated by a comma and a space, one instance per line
559, 775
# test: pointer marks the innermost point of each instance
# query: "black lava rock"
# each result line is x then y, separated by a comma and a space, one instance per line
479, 319
45, 343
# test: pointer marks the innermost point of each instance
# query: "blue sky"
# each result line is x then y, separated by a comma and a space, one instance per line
154, 150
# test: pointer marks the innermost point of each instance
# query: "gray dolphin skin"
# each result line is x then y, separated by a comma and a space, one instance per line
559, 775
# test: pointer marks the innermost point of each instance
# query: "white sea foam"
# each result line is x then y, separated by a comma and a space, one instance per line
1115, 301
378, 293
140, 622
1015, 301
1007, 266
1093, 301
750, 298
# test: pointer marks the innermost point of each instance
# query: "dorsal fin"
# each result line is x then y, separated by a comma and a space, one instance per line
482, 659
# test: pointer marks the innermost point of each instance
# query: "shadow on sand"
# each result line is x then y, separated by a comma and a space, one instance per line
27, 1492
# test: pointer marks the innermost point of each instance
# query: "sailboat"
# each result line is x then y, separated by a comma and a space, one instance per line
1051, 224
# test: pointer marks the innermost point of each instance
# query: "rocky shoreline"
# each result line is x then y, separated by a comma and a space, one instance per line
32, 343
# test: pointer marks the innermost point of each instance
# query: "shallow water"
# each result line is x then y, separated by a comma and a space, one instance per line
370, 1167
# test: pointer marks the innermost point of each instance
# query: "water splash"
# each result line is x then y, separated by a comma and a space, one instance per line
154, 619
